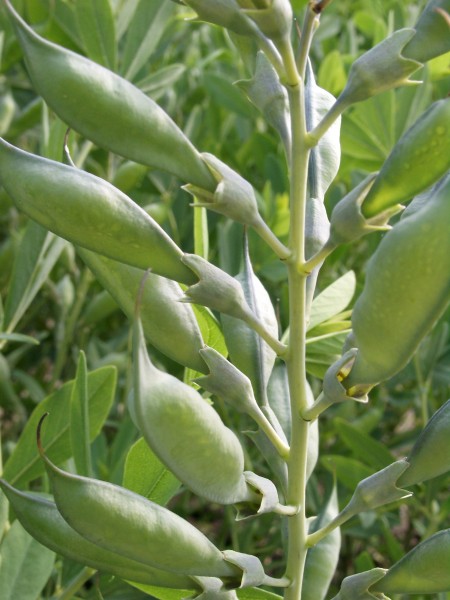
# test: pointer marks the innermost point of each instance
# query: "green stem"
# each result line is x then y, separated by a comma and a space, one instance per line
313, 136
264, 231
265, 425
296, 355
252, 321
310, 24
340, 519
76, 583
319, 257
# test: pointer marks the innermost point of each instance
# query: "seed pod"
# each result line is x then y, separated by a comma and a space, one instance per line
419, 158
382, 68
42, 520
430, 455
169, 325
225, 13
190, 438
107, 109
424, 570
130, 525
432, 36
407, 289
275, 21
90, 212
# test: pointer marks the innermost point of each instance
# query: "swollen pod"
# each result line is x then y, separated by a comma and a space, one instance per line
41, 519
185, 432
107, 109
169, 325
407, 289
90, 212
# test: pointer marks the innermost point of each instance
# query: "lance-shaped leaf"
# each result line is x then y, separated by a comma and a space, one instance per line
248, 352
317, 230
432, 36
356, 587
322, 559
132, 526
419, 158
170, 326
41, 519
185, 432
424, 570
381, 68
325, 157
347, 221
430, 455
89, 212
120, 118
265, 91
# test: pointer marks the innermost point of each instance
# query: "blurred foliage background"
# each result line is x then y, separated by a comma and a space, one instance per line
47, 293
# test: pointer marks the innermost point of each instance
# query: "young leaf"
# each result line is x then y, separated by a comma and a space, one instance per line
333, 300
364, 447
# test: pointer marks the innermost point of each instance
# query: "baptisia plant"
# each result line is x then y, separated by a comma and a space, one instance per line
259, 374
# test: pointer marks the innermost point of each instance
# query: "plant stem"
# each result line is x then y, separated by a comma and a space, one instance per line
296, 355
264, 231
310, 23
76, 583
313, 136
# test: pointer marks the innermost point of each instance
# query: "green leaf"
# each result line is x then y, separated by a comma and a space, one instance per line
96, 26
321, 560
19, 337
162, 593
79, 420
159, 81
333, 300
144, 33
25, 565
38, 252
24, 464
146, 475
366, 448
256, 594
332, 75
348, 471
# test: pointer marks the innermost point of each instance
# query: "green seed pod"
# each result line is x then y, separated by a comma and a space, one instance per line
382, 68
432, 37
130, 525
275, 21
169, 325
89, 212
42, 520
424, 570
107, 109
190, 438
430, 455
419, 158
225, 13
407, 289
